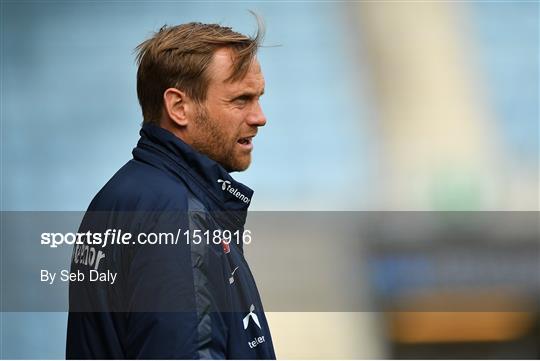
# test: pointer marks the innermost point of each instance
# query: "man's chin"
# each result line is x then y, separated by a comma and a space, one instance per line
238, 164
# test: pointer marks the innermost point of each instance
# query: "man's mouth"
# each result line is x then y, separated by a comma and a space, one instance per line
246, 142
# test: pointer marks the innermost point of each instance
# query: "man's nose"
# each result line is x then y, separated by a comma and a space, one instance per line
257, 117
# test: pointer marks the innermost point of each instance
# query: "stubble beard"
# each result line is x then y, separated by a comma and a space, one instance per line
214, 143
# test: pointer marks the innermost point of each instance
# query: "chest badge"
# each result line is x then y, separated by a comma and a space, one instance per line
225, 246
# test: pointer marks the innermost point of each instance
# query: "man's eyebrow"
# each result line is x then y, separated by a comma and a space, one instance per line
250, 94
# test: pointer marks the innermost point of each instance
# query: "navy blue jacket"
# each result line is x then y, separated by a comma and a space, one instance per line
192, 299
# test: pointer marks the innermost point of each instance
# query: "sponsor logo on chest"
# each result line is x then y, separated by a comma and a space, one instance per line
226, 187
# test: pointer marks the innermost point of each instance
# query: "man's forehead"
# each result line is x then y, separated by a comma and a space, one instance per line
221, 69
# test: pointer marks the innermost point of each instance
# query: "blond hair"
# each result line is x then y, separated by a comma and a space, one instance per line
179, 56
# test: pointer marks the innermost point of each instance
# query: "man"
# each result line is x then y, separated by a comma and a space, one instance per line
199, 87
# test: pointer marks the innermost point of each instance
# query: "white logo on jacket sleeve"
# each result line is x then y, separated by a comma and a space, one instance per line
251, 315
226, 186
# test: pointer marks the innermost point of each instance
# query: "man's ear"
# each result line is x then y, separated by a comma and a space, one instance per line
177, 106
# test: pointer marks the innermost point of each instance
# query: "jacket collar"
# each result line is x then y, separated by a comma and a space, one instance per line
164, 150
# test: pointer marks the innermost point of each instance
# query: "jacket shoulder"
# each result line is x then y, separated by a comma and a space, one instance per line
138, 186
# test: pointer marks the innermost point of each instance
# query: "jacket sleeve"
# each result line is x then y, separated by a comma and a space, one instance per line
172, 302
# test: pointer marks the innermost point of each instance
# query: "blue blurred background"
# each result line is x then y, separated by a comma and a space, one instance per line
370, 106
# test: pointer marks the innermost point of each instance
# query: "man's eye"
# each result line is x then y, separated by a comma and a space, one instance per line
241, 100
